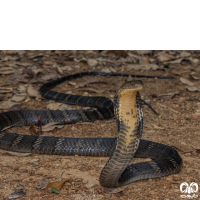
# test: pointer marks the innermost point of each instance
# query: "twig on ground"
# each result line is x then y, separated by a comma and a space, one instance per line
149, 106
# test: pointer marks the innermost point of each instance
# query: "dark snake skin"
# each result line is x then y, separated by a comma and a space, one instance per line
166, 160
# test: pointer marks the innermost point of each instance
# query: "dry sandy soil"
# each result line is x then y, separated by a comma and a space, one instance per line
178, 122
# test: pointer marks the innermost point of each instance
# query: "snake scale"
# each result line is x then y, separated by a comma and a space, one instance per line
121, 150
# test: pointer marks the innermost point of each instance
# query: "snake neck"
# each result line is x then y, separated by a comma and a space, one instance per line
128, 112
129, 115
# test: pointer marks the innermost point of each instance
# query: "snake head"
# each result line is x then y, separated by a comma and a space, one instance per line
132, 85
129, 88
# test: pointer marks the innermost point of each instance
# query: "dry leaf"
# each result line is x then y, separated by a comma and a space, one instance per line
7, 105
169, 94
22, 89
74, 129
18, 153
87, 82
4, 90
92, 62
51, 126
7, 70
54, 106
112, 63
58, 185
147, 59
80, 60
143, 66
27, 99
192, 88
182, 147
37, 70
194, 77
194, 61
137, 57
106, 70
152, 60
59, 70
25, 64
112, 69
85, 94
35, 161
59, 106
68, 68
49, 77
16, 195
72, 83
165, 57
184, 54
32, 130
177, 61
197, 113
77, 67
32, 92
67, 107
127, 60
17, 75
185, 81
19, 97
42, 184
36, 80
114, 190
157, 127
176, 72
28, 71
48, 62
54, 65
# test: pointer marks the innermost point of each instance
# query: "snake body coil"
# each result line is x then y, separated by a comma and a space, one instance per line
128, 111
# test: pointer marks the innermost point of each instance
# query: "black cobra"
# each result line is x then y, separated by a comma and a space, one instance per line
128, 111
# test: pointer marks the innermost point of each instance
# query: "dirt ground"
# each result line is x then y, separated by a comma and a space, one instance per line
177, 124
